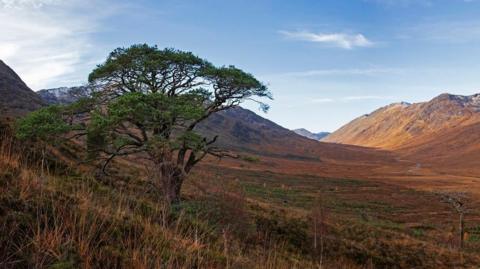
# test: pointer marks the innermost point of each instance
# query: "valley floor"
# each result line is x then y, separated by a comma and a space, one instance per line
399, 222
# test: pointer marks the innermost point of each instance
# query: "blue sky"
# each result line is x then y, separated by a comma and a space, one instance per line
326, 62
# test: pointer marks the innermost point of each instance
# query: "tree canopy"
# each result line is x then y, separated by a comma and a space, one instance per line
148, 101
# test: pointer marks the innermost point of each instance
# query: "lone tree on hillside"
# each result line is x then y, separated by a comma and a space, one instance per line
147, 102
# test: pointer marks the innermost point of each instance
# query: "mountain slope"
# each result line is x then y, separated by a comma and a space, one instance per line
16, 97
394, 126
306, 133
455, 150
243, 130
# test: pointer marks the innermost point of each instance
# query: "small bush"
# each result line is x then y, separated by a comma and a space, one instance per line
251, 159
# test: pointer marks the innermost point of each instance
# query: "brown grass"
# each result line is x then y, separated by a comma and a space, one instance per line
72, 221
229, 218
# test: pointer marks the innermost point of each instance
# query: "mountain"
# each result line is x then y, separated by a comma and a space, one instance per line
244, 131
401, 124
306, 133
16, 98
442, 134
63, 95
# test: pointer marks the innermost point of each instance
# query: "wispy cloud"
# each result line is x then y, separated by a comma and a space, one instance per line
340, 40
49, 41
27, 3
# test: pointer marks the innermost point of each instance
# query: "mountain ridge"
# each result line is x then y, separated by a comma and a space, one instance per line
394, 125
63, 95
17, 98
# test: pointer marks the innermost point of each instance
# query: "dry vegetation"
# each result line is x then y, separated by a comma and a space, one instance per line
67, 220
56, 217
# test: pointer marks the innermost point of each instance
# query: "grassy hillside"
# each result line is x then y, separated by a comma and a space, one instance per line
71, 220
397, 125
59, 217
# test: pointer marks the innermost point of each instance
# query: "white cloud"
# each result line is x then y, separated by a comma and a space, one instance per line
49, 41
26, 3
341, 40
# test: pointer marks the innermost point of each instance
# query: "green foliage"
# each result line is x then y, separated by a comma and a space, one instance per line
473, 234
143, 68
251, 159
245, 85
43, 124
152, 111
145, 59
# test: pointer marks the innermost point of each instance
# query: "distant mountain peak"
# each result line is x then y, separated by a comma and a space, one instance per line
403, 103
306, 133
64, 95
301, 130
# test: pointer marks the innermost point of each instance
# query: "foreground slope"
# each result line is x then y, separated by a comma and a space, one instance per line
228, 218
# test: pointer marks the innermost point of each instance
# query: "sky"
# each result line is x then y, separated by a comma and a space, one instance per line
325, 61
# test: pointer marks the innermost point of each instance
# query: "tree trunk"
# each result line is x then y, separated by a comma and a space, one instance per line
172, 191
172, 180
315, 232
168, 176
461, 230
